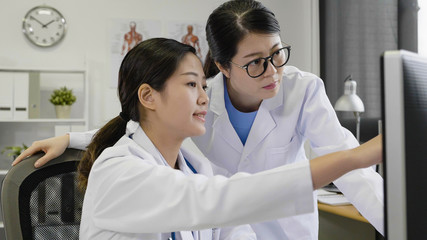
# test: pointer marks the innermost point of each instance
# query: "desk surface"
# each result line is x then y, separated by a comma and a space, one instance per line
348, 211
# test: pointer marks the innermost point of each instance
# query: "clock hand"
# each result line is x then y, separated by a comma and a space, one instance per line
45, 25
31, 17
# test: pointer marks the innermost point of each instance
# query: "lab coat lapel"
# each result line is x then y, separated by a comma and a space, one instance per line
223, 128
216, 94
261, 127
143, 141
264, 122
221, 124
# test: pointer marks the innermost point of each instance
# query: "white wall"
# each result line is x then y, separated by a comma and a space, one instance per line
422, 24
87, 40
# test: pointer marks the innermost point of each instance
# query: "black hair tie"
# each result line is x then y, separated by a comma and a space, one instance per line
124, 116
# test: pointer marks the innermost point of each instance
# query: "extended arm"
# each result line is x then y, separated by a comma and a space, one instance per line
363, 187
327, 168
134, 184
55, 146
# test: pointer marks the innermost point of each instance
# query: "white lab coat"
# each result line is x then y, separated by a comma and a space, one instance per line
300, 111
133, 194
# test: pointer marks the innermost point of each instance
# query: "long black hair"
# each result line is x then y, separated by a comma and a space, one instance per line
228, 25
152, 62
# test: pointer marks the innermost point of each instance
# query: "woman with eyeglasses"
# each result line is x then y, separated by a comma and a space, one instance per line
261, 112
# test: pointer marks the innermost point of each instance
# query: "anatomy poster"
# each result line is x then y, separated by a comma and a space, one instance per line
191, 33
124, 35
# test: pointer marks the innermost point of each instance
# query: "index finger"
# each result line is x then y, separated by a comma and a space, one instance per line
26, 153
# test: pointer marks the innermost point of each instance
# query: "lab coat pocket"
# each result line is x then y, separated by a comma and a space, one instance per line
279, 156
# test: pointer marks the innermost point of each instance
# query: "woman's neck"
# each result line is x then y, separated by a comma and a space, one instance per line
242, 102
168, 146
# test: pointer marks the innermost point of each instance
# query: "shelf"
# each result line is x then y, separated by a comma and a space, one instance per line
25, 119
45, 70
45, 120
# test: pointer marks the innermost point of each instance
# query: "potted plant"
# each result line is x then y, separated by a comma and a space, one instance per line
62, 98
14, 151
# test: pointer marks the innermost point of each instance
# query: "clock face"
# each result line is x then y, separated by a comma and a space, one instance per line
44, 26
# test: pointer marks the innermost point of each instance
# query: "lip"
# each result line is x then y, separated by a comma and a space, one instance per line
271, 85
200, 115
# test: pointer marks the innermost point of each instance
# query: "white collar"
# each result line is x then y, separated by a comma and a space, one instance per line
137, 134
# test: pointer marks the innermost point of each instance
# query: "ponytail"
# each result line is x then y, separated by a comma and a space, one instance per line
106, 137
209, 68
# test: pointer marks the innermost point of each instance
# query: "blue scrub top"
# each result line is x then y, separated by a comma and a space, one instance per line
241, 121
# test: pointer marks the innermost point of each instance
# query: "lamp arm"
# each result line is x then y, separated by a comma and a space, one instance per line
357, 115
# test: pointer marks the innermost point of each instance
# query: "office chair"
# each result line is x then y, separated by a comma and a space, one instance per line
43, 203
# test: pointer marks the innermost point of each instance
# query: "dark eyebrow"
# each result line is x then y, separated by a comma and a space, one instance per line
193, 74
258, 53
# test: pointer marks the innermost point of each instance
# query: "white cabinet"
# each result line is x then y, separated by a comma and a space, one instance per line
26, 113
18, 96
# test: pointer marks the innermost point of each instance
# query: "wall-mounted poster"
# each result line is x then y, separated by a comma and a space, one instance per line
191, 33
125, 34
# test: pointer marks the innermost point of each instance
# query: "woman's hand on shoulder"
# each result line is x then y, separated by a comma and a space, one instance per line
52, 147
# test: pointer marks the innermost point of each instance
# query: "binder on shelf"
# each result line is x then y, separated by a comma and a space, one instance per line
20, 96
6, 95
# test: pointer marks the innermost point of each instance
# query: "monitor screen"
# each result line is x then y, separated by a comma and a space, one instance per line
404, 115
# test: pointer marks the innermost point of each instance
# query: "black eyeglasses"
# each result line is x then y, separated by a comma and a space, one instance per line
257, 67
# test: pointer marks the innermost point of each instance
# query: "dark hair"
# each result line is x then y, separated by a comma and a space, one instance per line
152, 61
228, 25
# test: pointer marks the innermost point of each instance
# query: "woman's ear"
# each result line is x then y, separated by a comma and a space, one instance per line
223, 69
145, 96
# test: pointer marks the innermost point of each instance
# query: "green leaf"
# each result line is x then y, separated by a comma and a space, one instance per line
62, 96
14, 150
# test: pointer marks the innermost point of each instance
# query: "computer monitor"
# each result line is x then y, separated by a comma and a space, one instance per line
404, 115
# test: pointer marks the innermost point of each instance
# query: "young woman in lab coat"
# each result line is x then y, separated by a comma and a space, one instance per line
261, 114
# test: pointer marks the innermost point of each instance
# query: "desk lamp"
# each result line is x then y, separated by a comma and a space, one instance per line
350, 102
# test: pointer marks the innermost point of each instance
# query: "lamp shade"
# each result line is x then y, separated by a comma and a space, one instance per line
349, 102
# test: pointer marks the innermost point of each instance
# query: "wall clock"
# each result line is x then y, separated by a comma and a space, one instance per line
44, 26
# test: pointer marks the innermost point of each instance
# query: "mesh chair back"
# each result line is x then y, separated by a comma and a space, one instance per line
43, 203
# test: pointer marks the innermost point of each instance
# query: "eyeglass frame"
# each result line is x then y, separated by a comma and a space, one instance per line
269, 58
